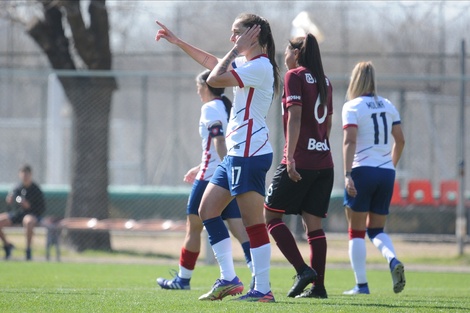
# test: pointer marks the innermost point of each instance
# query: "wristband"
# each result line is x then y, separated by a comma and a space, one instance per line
348, 174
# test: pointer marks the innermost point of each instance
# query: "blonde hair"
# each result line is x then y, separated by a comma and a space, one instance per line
362, 81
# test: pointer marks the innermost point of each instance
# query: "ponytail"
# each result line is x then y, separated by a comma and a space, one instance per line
265, 40
310, 57
227, 104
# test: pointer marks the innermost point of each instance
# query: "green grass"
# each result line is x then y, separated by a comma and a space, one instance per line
84, 287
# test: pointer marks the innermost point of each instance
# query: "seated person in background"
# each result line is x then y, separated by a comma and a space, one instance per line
28, 205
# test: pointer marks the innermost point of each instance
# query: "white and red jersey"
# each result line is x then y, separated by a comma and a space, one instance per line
247, 133
313, 147
374, 118
212, 112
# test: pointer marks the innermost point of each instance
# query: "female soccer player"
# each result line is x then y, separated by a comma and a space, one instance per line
251, 68
303, 181
369, 123
215, 112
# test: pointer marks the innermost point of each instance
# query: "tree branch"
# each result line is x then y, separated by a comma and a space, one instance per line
83, 39
50, 37
99, 26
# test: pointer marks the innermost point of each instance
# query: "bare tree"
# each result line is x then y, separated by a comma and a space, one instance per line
90, 98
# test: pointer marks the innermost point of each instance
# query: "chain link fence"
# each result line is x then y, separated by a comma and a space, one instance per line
153, 140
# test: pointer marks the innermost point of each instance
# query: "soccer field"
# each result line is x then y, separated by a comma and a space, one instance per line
86, 287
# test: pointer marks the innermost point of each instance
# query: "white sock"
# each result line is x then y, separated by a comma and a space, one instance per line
357, 256
223, 254
185, 273
383, 242
261, 259
250, 266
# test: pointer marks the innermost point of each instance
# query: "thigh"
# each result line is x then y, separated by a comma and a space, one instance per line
356, 220
30, 220
376, 220
251, 208
284, 195
194, 200
213, 202
193, 224
312, 222
231, 211
5, 219
317, 199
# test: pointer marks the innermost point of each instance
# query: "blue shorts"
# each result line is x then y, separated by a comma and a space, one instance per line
240, 175
231, 211
374, 190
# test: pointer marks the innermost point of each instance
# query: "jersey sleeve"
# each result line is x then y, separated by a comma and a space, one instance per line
249, 74
395, 114
210, 116
349, 115
292, 89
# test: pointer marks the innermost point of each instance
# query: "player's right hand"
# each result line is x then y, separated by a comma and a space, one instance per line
190, 176
165, 33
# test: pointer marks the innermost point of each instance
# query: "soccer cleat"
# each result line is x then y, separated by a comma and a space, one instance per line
314, 292
398, 277
177, 283
357, 290
256, 296
301, 281
223, 288
8, 248
29, 257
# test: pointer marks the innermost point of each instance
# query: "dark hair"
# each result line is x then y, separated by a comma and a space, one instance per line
310, 57
26, 168
219, 92
266, 41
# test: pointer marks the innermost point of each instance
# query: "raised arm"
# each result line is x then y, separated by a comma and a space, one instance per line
220, 76
202, 57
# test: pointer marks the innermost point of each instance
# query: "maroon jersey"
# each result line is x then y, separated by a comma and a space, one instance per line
313, 147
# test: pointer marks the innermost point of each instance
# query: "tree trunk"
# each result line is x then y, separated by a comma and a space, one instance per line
89, 195
91, 102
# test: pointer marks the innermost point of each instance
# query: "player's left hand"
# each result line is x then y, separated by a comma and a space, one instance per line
293, 174
248, 38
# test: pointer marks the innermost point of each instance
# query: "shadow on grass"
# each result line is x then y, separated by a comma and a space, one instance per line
128, 253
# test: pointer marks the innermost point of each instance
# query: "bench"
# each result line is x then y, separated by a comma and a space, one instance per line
55, 226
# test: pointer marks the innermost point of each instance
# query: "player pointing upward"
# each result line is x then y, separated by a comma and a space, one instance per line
251, 68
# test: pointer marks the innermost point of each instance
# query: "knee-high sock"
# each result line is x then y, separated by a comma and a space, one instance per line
286, 243
357, 254
247, 253
187, 263
317, 242
383, 242
261, 256
222, 246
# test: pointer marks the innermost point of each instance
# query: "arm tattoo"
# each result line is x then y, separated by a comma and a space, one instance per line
205, 60
226, 61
